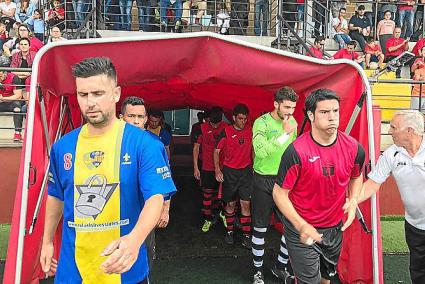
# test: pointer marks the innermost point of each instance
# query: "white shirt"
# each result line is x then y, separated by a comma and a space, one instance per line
409, 174
335, 22
7, 8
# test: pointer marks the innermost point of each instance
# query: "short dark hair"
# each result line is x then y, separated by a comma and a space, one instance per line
318, 96
361, 7
94, 66
285, 94
342, 9
25, 39
215, 114
352, 42
319, 39
156, 113
200, 115
240, 109
133, 100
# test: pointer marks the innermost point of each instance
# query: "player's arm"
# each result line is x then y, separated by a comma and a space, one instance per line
308, 234
54, 210
196, 172
354, 187
288, 174
216, 156
369, 188
165, 215
124, 251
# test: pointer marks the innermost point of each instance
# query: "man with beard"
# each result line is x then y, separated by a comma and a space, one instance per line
272, 133
311, 188
108, 180
236, 144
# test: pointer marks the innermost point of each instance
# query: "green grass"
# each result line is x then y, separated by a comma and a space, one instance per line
4, 237
393, 240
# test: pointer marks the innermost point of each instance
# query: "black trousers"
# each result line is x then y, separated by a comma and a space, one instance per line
415, 239
17, 116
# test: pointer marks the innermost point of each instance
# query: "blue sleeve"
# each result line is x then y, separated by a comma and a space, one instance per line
154, 171
165, 137
54, 187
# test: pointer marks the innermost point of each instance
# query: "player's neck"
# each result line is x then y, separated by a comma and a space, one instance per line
96, 131
323, 138
275, 115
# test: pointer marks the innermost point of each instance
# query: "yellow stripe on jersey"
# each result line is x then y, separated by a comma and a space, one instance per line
97, 201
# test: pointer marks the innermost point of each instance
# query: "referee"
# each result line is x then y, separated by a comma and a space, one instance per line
405, 161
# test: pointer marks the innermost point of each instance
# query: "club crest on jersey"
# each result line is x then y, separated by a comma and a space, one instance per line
67, 161
126, 159
94, 194
93, 159
241, 141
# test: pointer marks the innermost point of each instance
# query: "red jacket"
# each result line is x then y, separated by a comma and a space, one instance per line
17, 59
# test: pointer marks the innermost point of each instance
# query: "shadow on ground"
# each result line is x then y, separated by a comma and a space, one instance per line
187, 255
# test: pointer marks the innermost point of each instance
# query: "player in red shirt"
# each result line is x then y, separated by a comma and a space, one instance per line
235, 143
315, 173
316, 49
373, 53
349, 53
207, 140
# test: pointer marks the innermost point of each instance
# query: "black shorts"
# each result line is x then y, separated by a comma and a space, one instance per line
237, 182
311, 263
262, 203
208, 180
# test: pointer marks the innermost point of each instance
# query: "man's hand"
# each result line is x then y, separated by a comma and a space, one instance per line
288, 125
349, 207
165, 217
122, 253
309, 235
197, 173
219, 175
48, 263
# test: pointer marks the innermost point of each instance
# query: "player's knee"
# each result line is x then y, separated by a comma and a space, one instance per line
230, 207
246, 207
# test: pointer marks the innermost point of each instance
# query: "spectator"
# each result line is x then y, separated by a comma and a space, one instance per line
340, 29
300, 15
24, 10
4, 35
349, 53
419, 18
10, 47
8, 9
319, 16
56, 15
373, 54
385, 30
359, 27
317, 48
261, 17
56, 35
369, 12
336, 7
10, 96
81, 7
223, 21
23, 59
202, 7
396, 46
418, 47
389, 6
418, 90
406, 14
36, 22
178, 9
125, 11
144, 9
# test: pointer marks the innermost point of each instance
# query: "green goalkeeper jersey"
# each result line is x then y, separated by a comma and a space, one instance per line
269, 142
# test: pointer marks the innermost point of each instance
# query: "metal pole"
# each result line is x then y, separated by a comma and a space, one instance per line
44, 120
